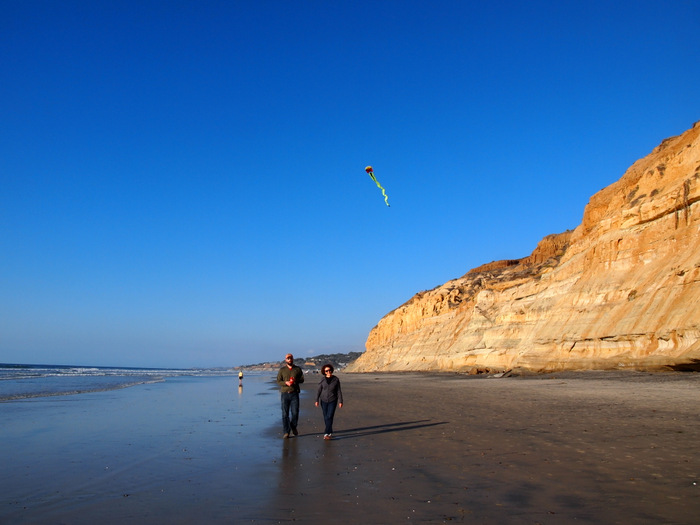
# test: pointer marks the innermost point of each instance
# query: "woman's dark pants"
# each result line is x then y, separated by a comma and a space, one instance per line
328, 414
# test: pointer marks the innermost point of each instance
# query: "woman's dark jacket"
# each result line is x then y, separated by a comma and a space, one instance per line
329, 391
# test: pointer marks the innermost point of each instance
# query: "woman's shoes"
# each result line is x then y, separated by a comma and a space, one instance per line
327, 436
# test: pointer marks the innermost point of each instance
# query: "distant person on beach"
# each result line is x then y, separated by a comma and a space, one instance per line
331, 396
289, 378
240, 378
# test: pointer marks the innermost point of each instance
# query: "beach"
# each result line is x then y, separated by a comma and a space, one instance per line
587, 447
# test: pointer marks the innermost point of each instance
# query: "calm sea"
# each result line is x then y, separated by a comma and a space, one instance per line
176, 446
27, 381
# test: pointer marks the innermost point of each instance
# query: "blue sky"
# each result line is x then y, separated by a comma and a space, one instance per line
182, 183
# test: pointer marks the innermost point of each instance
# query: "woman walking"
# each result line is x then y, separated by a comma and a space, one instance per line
330, 396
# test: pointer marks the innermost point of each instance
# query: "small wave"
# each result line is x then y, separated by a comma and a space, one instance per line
87, 390
38, 371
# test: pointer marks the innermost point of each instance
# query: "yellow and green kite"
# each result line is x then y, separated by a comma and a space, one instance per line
370, 172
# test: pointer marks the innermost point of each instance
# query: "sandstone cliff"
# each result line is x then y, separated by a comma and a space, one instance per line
621, 290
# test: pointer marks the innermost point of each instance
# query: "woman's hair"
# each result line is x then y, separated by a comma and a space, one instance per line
328, 366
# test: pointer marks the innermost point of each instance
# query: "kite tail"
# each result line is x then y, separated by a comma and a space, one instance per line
386, 197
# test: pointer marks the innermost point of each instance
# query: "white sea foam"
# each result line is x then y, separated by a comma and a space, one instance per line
28, 381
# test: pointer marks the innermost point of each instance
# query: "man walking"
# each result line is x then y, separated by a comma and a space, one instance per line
289, 378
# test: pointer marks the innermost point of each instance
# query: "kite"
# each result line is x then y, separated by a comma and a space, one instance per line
370, 172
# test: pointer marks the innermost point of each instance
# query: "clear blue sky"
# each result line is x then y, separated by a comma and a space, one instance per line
182, 182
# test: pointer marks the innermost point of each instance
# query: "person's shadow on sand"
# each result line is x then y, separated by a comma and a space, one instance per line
382, 429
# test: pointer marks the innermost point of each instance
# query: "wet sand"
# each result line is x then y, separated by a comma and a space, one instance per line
563, 448
417, 448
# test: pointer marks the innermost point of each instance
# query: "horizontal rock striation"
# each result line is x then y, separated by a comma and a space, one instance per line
621, 290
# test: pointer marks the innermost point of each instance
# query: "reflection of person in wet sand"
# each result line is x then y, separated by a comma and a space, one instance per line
330, 395
289, 378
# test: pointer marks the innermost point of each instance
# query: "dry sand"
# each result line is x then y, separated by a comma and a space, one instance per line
409, 448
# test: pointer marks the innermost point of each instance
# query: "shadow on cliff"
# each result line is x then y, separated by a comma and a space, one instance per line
692, 366
383, 429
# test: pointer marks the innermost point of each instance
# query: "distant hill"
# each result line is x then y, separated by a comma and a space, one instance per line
308, 364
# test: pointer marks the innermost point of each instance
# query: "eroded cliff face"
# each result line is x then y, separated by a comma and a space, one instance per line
621, 290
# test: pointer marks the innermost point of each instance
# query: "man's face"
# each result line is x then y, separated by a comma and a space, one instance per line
289, 359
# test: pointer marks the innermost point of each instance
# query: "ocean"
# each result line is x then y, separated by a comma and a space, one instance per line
18, 381
135, 442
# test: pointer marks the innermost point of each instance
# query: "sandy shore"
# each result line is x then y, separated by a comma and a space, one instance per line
571, 447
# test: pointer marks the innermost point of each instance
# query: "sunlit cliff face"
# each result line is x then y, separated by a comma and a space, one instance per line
621, 290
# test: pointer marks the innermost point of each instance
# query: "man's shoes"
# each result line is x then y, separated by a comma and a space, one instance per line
327, 436
295, 431
286, 435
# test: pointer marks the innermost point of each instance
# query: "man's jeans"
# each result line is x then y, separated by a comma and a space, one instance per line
290, 402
